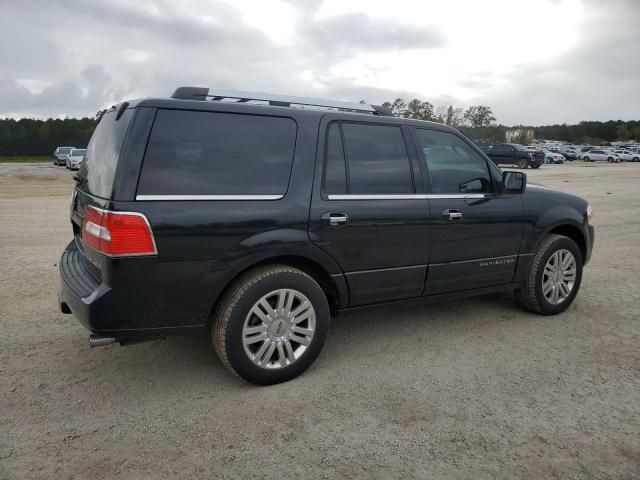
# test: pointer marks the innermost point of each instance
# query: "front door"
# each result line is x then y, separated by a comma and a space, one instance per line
475, 232
368, 210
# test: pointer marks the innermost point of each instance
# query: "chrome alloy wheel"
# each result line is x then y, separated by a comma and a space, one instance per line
279, 328
559, 276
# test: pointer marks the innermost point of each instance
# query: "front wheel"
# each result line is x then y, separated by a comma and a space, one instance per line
271, 324
554, 277
586, 159
535, 165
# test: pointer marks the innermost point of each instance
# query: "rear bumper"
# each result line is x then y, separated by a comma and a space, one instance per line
134, 309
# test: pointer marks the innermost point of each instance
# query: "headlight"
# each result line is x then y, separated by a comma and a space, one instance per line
589, 213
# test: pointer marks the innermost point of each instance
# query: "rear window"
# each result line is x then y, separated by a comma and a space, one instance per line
101, 158
209, 153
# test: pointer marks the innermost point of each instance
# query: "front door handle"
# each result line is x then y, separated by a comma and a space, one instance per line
452, 214
335, 219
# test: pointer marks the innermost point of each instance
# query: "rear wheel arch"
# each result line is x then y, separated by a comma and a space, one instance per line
302, 263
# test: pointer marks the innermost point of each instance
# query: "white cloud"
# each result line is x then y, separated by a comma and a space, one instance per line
534, 61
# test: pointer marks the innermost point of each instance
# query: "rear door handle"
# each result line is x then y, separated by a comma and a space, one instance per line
335, 219
452, 214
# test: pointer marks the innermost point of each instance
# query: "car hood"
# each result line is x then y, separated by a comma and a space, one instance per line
538, 192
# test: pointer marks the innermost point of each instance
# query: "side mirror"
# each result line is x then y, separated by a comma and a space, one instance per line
514, 182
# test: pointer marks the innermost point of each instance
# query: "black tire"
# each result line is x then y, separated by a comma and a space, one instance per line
231, 311
522, 163
586, 159
535, 165
531, 296
635, 159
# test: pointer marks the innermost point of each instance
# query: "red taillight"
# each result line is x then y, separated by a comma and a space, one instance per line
118, 233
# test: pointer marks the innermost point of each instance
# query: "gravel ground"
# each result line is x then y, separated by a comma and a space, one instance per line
471, 389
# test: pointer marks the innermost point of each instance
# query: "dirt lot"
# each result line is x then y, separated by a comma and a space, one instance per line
471, 389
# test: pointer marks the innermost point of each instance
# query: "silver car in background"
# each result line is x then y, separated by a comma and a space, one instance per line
60, 155
74, 158
627, 155
600, 154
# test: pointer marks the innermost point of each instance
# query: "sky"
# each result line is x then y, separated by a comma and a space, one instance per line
535, 62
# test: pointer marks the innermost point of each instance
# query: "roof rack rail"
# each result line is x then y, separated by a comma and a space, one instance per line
203, 93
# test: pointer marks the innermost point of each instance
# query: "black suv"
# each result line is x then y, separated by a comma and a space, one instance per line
514, 154
256, 221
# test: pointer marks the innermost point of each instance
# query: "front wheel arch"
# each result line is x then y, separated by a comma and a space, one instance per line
572, 232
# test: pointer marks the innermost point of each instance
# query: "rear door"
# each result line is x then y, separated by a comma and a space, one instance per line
475, 232
368, 209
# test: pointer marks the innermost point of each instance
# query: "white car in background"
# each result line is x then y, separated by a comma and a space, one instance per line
600, 154
627, 155
74, 158
553, 157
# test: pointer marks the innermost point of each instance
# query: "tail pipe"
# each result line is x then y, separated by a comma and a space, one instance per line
98, 341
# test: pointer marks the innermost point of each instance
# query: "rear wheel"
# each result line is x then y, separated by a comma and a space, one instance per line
586, 159
554, 277
523, 163
635, 159
271, 324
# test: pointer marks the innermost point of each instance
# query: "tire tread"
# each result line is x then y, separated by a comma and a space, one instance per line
224, 309
526, 296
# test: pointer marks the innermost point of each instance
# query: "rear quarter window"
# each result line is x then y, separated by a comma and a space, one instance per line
101, 158
210, 153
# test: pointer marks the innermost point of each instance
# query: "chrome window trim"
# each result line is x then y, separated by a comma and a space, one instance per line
404, 196
207, 197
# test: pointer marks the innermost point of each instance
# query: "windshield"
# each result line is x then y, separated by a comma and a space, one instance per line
65, 150
77, 153
101, 158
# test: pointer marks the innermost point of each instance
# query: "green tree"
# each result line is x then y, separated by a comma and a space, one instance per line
418, 110
479, 116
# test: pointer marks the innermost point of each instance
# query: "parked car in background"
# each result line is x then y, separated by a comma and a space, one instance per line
627, 155
74, 158
515, 154
553, 157
570, 153
485, 147
600, 154
60, 155
190, 229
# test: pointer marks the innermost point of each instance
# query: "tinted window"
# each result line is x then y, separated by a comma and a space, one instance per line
335, 176
101, 158
377, 159
206, 153
454, 167
64, 150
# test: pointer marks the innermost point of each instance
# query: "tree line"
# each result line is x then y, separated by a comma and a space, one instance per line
40, 137
479, 123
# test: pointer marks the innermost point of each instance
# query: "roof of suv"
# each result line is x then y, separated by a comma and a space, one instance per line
266, 109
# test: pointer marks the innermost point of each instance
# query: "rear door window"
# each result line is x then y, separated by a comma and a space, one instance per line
335, 174
210, 153
377, 159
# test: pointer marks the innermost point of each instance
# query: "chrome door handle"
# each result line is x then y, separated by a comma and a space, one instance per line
452, 214
335, 219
